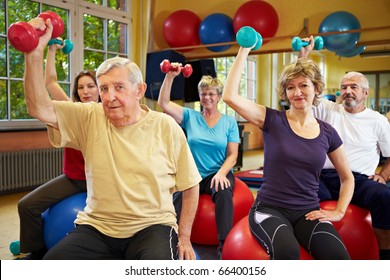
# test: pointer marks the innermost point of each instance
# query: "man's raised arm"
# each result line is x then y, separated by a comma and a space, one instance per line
38, 102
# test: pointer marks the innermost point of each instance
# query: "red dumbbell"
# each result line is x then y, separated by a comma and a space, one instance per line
24, 37
166, 66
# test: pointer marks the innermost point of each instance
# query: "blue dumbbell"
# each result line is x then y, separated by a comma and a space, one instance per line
248, 37
14, 247
68, 47
297, 43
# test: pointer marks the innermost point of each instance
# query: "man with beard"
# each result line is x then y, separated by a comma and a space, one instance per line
365, 134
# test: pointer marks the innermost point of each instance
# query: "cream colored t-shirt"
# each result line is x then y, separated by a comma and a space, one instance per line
131, 171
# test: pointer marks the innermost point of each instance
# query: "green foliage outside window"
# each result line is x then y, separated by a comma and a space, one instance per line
102, 38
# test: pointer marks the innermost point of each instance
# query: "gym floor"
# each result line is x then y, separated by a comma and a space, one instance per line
9, 219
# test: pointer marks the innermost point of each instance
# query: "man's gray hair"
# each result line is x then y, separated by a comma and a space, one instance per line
363, 80
135, 74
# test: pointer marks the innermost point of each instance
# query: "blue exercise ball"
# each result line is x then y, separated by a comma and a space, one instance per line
59, 219
338, 22
217, 28
352, 52
197, 257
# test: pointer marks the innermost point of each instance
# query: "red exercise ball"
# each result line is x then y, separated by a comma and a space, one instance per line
258, 14
204, 228
241, 245
356, 231
181, 29
243, 199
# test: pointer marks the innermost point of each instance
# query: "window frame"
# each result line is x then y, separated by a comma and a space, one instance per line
378, 82
75, 32
222, 75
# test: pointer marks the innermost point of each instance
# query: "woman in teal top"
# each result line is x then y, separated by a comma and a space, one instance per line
213, 139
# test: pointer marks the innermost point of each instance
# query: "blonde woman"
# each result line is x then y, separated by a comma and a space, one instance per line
286, 212
213, 139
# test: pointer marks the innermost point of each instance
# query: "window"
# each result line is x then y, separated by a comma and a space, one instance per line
113, 4
247, 83
379, 93
104, 36
100, 29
